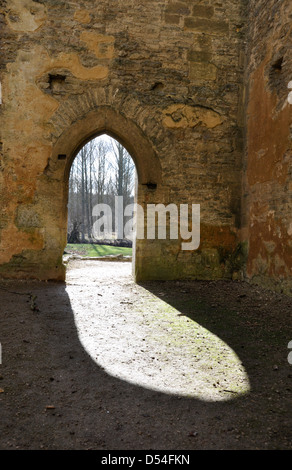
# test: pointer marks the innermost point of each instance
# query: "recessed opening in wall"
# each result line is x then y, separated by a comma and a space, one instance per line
56, 82
101, 201
157, 86
277, 66
276, 75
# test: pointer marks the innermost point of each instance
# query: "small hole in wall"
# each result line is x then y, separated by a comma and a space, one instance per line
277, 66
56, 82
157, 86
277, 76
151, 185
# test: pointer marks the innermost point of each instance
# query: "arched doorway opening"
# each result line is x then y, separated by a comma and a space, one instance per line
149, 188
101, 201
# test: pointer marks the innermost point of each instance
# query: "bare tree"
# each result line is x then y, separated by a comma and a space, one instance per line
101, 170
101, 165
123, 179
81, 191
123, 167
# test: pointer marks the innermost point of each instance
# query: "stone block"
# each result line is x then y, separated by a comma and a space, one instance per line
199, 56
207, 26
172, 19
202, 71
178, 8
203, 11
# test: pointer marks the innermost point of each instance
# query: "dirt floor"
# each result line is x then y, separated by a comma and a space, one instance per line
103, 363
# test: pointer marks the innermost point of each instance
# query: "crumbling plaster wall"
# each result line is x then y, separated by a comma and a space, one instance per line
170, 72
267, 189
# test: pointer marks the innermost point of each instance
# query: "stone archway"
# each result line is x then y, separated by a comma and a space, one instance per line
105, 120
39, 223
96, 122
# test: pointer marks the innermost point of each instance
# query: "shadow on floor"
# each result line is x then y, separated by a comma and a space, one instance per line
54, 396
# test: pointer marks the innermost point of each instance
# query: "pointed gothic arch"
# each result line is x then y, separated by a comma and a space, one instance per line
104, 120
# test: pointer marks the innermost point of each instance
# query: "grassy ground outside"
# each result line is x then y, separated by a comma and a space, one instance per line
92, 250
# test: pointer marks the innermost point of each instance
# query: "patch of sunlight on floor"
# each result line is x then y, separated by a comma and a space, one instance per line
135, 336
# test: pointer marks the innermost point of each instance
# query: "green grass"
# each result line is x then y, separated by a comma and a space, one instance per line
93, 250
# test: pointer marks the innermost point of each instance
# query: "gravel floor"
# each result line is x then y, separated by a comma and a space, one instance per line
103, 363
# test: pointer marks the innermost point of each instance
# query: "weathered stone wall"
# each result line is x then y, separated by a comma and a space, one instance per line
267, 196
164, 77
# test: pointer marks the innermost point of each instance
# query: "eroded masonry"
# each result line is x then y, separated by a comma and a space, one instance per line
197, 91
